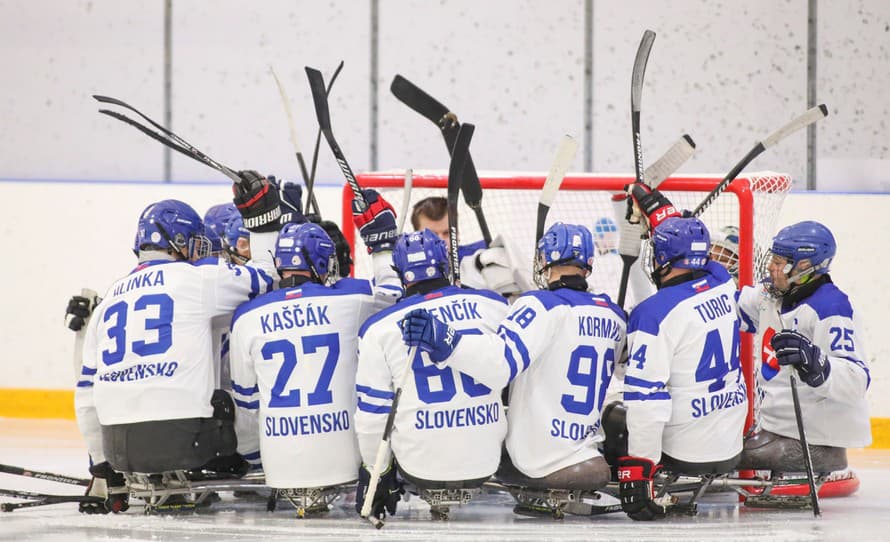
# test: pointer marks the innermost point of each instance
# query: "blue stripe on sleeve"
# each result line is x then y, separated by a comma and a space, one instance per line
511, 362
252, 456
252, 405
84, 384
86, 371
637, 396
373, 409
641, 383
245, 391
520, 346
266, 278
254, 282
371, 392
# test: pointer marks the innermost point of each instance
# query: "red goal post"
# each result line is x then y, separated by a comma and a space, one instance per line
751, 203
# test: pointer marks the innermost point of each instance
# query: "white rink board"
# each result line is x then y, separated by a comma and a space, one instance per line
62, 237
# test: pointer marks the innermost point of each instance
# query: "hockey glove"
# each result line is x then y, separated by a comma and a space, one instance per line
420, 328
258, 201
651, 203
104, 484
377, 223
79, 309
291, 195
389, 492
792, 348
636, 488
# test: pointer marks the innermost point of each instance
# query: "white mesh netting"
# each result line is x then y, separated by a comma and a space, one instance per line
751, 203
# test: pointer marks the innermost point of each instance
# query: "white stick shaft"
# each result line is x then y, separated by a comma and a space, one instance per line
406, 198
287, 111
383, 448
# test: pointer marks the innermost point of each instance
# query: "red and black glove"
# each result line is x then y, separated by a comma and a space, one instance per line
377, 223
258, 201
637, 490
651, 203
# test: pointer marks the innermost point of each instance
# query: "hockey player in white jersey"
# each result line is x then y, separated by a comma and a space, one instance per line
294, 357
557, 350
145, 401
684, 392
808, 325
448, 428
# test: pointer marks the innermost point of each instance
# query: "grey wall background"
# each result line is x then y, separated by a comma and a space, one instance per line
726, 72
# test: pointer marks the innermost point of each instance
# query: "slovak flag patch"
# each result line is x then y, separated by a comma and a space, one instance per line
293, 294
701, 286
600, 302
433, 295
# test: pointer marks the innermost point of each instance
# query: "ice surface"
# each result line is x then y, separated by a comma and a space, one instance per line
55, 446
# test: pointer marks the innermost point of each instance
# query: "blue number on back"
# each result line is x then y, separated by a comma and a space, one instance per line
118, 332
713, 365
321, 395
587, 379
447, 388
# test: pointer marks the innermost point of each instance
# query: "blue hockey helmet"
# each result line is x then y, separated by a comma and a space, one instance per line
419, 256
563, 244
235, 230
682, 243
808, 240
605, 235
172, 225
306, 247
215, 220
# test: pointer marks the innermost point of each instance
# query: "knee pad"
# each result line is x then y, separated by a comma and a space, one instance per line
615, 427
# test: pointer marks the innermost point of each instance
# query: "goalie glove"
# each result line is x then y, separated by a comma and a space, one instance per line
258, 201
794, 349
649, 202
109, 485
636, 488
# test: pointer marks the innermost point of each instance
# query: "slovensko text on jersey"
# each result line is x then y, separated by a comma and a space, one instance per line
310, 424
461, 417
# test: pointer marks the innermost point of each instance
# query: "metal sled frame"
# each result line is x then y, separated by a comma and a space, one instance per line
156, 489
442, 499
312, 501
556, 503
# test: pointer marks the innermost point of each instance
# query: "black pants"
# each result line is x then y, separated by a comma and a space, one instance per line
156, 446
440, 484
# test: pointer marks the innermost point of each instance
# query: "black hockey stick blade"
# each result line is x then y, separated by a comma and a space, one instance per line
178, 144
311, 189
439, 114
636, 95
809, 117
50, 476
459, 156
807, 457
322, 111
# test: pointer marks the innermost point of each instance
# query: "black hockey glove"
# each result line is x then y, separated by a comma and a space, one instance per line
105, 484
377, 223
344, 254
258, 201
792, 348
389, 492
291, 195
649, 202
636, 488
79, 309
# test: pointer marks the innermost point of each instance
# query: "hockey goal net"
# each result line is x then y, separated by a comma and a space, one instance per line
751, 203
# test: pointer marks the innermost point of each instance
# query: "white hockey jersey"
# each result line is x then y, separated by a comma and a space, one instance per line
606, 279
148, 354
293, 354
559, 350
448, 426
835, 413
684, 390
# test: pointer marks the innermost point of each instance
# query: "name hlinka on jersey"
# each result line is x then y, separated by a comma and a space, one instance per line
291, 316
142, 280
